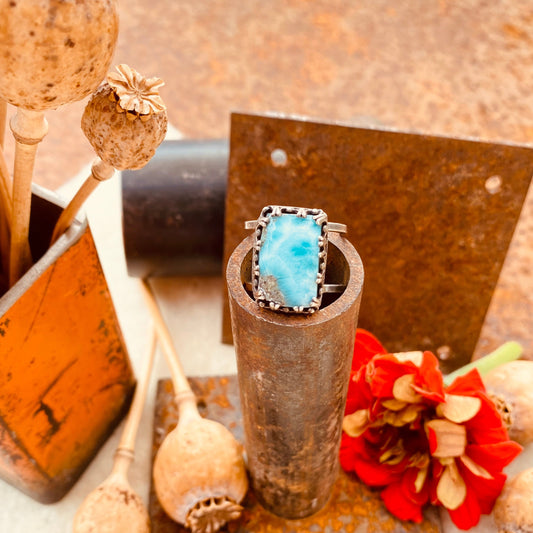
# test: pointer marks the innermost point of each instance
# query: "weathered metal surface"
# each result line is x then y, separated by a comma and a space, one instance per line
352, 507
293, 377
65, 376
173, 210
427, 216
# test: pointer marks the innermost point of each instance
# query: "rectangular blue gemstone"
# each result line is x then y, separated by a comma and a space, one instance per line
288, 260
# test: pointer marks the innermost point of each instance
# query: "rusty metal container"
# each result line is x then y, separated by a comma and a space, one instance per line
65, 376
293, 377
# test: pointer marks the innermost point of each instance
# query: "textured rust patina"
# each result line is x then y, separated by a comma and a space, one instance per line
352, 507
432, 238
293, 378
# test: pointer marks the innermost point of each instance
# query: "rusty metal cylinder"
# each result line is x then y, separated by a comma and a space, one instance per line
293, 377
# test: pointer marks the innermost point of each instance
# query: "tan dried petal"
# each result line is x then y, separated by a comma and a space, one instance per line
403, 389
403, 417
394, 455
135, 93
459, 408
419, 460
421, 479
415, 357
451, 488
393, 404
356, 423
451, 438
476, 469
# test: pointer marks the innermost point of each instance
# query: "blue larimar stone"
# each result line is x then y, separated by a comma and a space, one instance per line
288, 260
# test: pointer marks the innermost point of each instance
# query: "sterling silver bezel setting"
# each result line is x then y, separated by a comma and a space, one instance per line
267, 213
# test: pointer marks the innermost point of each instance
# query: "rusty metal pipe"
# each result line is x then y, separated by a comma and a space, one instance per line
293, 377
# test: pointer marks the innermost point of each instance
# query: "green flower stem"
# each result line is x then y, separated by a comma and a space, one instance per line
504, 354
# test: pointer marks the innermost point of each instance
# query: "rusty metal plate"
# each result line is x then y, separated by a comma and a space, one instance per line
352, 507
431, 217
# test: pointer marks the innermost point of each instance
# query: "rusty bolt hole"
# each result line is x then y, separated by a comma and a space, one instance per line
493, 185
337, 273
279, 157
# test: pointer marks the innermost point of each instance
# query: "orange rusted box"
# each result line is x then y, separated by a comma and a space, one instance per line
65, 376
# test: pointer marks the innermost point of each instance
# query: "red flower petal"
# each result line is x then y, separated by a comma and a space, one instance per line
366, 346
494, 457
375, 474
399, 504
468, 385
384, 371
467, 515
429, 382
486, 491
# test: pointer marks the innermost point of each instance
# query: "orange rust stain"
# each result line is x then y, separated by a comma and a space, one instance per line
222, 401
65, 375
515, 32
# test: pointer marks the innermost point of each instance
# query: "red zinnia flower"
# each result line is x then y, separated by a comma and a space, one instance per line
403, 431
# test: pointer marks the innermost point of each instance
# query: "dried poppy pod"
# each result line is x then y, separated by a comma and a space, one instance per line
509, 387
125, 120
513, 512
54, 52
199, 474
199, 471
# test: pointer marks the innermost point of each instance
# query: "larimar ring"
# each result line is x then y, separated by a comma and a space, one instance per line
289, 258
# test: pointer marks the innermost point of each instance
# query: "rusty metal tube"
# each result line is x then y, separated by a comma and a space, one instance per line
293, 377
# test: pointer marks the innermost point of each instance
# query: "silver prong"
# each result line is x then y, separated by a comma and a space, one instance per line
302, 213
320, 219
276, 212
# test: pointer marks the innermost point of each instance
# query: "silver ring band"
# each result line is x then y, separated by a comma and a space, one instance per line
331, 226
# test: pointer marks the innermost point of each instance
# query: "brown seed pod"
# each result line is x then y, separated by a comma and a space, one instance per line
113, 507
199, 475
510, 387
199, 472
513, 512
53, 52
125, 120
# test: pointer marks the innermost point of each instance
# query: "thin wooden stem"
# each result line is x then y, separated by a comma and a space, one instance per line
29, 128
6, 211
129, 433
100, 171
3, 117
184, 396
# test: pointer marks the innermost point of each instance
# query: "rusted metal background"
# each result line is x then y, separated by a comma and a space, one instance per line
293, 377
431, 230
352, 507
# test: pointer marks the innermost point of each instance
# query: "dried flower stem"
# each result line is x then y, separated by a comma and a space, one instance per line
29, 128
129, 433
100, 171
182, 390
507, 352
6, 209
3, 116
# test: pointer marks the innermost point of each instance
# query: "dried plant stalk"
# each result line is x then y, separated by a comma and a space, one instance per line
29, 128
6, 209
100, 171
3, 116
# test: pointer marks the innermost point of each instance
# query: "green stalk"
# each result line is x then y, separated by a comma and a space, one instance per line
506, 353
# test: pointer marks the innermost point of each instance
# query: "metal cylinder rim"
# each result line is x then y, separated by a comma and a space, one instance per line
353, 288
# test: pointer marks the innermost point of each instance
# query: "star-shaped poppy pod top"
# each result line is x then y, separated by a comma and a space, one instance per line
135, 94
